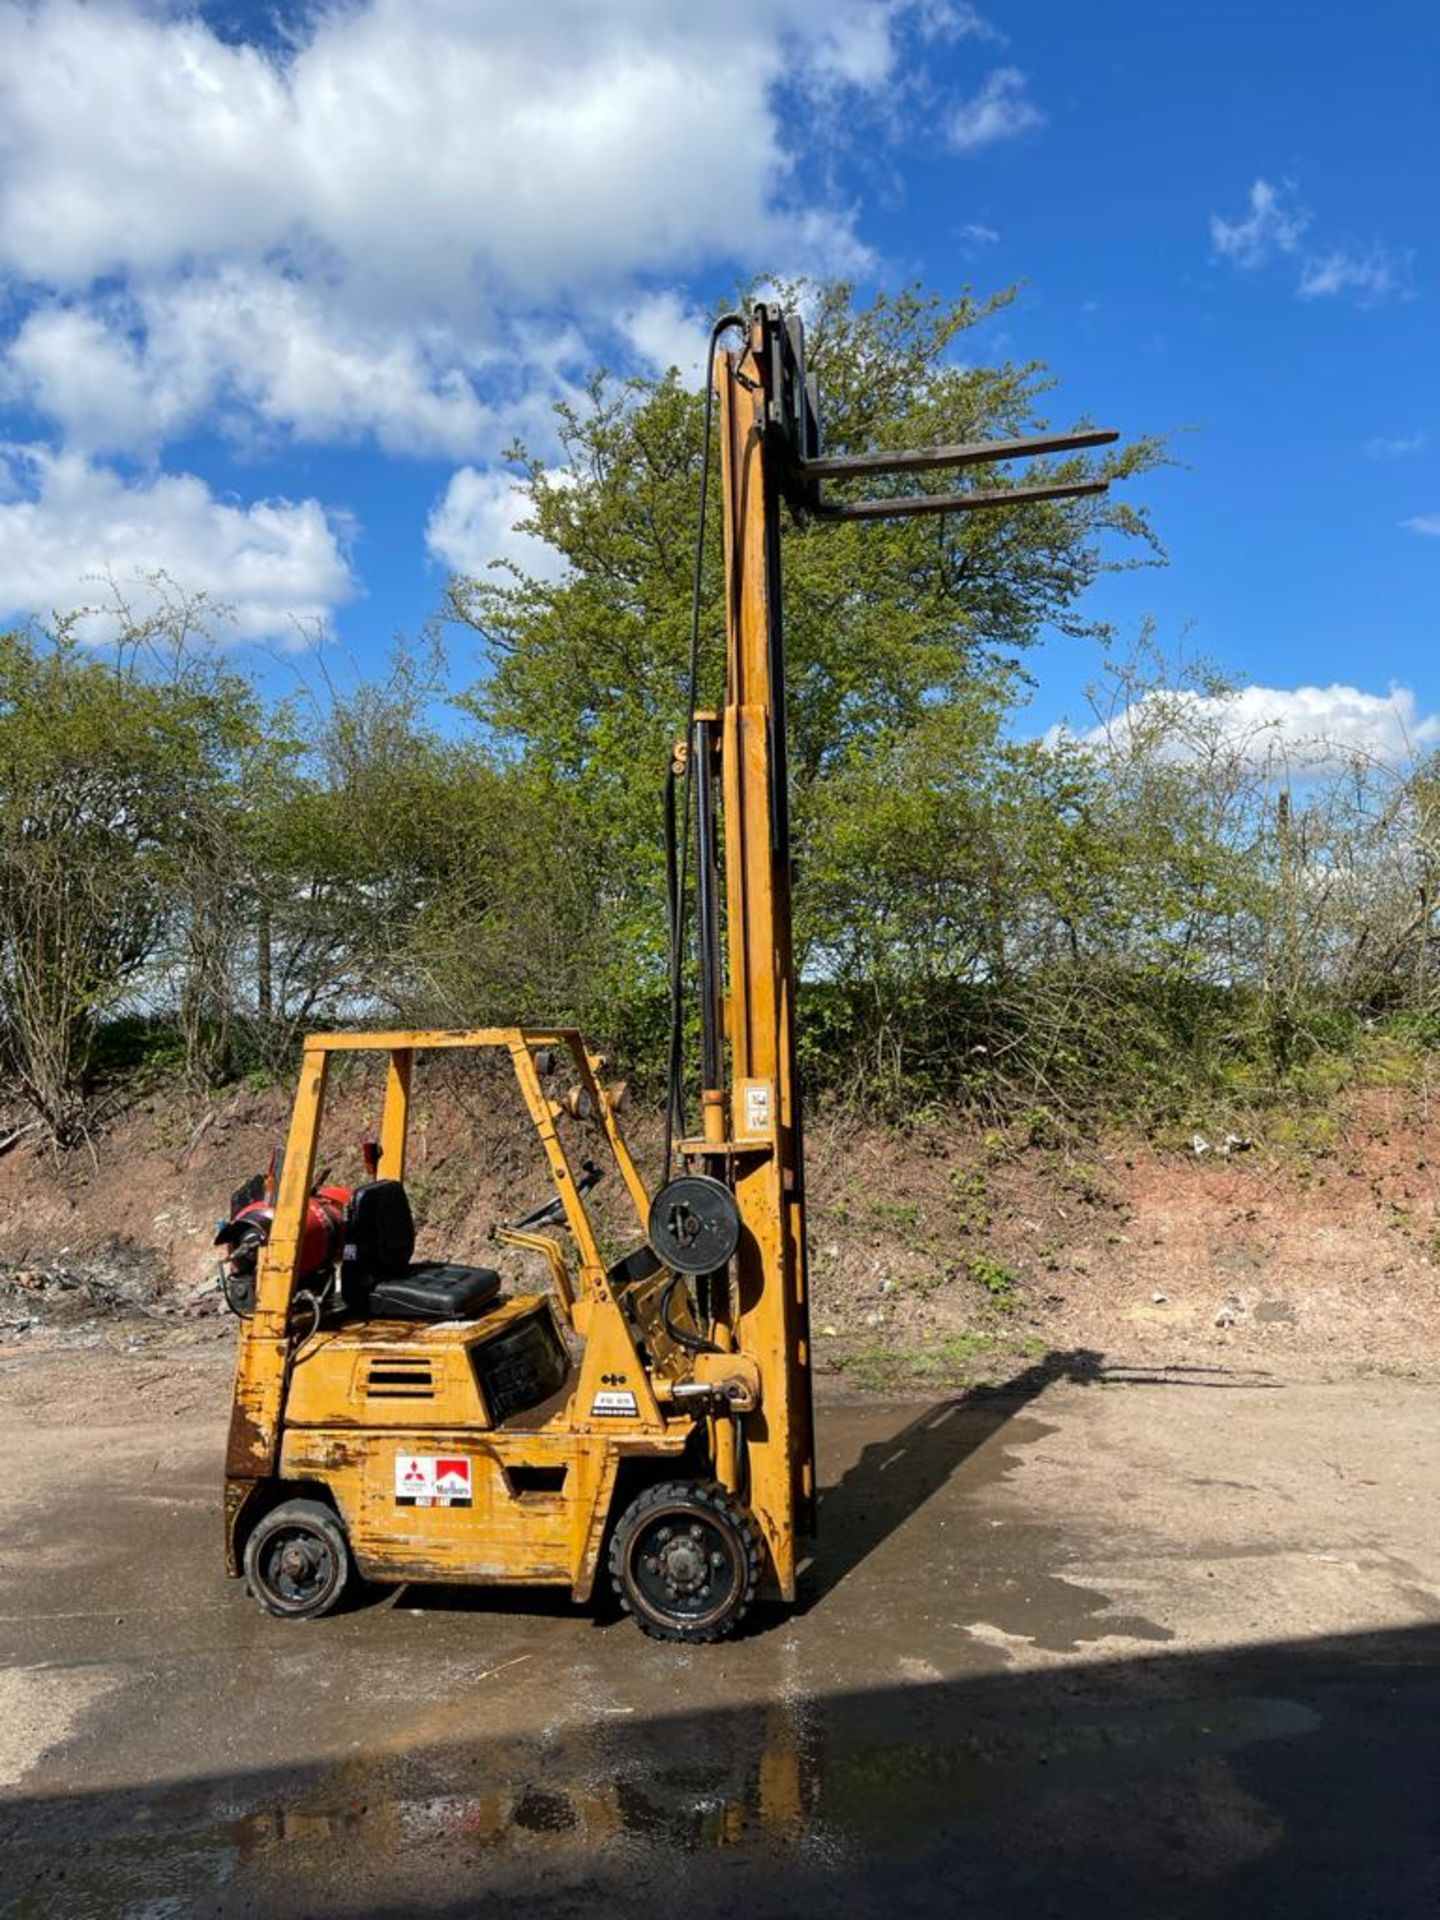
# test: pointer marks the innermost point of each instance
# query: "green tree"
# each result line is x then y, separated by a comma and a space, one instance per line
893, 630
114, 769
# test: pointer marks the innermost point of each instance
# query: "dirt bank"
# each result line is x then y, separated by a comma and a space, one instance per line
940, 1255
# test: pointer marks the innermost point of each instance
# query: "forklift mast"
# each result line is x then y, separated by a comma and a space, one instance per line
752, 1135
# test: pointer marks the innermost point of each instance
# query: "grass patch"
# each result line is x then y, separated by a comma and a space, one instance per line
957, 1361
971, 1201
1306, 1135
993, 1277
895, 1213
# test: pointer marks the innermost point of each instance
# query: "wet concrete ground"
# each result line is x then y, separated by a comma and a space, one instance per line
1106, 1643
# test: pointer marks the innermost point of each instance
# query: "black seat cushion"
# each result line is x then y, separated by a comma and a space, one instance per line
435, 1290
380, 1234
379, 1276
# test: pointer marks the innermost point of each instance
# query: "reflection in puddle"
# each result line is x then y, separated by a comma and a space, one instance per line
765, 1792
823, 1782
789, 1780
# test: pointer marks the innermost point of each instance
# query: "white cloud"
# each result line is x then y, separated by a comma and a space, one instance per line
1274, 224
472, 527
1395, 446
666, 331
1371, 278
1425, 523
859, 43
420, 147
132, 371
953, 20
68, 525
857, 47
960, 21
1001, 110
977, 234
334, 239
91, 377
1291, 730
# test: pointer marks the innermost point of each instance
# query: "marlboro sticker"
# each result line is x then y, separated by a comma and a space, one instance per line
432, 1480
452, 1482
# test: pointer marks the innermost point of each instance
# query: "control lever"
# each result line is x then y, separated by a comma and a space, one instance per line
553, 1211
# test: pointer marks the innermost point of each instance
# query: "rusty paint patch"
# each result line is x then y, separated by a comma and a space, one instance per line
247, 1452
238, 1496
425, 1573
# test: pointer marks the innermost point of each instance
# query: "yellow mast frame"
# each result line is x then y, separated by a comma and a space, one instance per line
767, 1315
770, 451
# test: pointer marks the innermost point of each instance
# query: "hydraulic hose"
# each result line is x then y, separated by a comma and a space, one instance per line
678, 834
692, 1343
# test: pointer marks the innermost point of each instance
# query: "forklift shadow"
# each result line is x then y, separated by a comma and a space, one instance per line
530, 1603
891, 1479
888, 1482
895, 1476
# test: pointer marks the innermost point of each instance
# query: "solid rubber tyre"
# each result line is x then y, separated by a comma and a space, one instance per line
297, 1560
685, 1561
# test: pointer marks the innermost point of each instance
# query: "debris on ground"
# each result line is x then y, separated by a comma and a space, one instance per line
73, 1297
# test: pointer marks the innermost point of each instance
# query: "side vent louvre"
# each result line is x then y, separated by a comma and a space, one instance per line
532, 1480
399, 1380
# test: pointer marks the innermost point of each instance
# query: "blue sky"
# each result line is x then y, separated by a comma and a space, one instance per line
279, 285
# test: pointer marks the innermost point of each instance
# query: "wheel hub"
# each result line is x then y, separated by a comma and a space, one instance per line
683, 1563
297, 1561
298, 1567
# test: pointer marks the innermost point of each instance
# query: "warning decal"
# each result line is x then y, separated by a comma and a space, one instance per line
757, 1106
432, 1480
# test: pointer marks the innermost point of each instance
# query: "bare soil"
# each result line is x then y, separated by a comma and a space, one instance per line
938, 1255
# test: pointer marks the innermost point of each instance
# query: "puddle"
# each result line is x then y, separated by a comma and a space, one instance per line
818, 1782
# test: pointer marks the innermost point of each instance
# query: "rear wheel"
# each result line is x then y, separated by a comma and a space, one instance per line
297, 1561
685, 1561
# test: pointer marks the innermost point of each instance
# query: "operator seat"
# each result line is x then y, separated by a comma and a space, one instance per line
379, 1277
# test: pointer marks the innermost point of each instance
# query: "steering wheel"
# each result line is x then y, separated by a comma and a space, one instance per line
554, 1210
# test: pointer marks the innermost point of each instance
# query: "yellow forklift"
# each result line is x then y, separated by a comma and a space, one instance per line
650, 1415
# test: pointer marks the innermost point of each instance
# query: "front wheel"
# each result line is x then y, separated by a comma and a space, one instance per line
685, 1561
297, 1561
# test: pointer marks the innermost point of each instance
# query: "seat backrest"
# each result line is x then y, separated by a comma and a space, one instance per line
379, 1239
